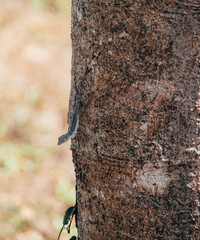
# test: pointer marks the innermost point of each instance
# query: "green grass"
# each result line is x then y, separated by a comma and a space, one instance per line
65, 192
52, 6
16, 157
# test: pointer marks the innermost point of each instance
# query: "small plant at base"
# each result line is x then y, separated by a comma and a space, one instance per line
67, 221
73, 238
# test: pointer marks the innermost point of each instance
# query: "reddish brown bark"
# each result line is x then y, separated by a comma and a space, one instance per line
136, 154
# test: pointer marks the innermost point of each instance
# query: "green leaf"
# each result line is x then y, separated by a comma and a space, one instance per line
69, 212
73, 238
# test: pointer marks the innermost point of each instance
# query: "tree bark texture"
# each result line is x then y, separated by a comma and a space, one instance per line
135, 68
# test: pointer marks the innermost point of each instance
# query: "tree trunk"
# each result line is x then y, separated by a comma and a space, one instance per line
135, 69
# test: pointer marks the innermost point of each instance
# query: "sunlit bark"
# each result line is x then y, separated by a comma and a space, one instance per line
136, 153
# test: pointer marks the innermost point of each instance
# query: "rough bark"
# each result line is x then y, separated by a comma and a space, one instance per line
136, 153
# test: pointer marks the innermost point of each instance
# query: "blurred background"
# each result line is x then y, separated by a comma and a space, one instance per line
36, 175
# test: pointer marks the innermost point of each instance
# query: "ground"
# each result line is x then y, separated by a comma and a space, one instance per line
36, 175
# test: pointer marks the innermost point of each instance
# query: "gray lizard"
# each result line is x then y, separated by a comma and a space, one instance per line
73, 126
